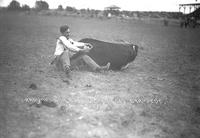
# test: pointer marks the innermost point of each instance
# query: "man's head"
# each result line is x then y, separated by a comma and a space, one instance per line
64, 30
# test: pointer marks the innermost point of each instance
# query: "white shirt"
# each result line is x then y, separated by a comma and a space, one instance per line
64, 43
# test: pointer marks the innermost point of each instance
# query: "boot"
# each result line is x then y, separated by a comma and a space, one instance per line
67, 71
103, 68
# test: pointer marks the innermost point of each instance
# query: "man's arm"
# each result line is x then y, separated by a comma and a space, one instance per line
78, 44
74, 46
82, 45
66, 43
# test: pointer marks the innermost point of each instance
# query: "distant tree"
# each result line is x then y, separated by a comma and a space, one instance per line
97, 12
60, 7
83, 10
14, 5
25, 8
127, 13
93, 12
41, 5
71, 9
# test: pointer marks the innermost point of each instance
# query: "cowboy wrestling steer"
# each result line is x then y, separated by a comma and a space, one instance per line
118, 54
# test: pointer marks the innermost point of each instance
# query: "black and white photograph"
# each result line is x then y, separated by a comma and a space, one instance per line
99, 68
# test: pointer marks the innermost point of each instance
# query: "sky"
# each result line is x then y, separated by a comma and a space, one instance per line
131, 5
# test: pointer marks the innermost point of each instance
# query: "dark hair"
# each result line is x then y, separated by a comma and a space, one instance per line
64, 28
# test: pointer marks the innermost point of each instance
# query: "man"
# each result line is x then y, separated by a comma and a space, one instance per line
68, 50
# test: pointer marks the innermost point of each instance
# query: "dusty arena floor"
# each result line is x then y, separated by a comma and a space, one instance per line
158, 96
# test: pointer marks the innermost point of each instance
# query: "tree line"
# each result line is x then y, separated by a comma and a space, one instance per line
14, 5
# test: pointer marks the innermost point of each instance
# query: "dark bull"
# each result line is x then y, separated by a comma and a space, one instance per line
118, 54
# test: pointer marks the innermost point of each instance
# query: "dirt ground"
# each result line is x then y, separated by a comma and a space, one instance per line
158, 96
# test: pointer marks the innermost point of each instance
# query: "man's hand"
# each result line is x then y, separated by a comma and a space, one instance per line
87, 48
89, 45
